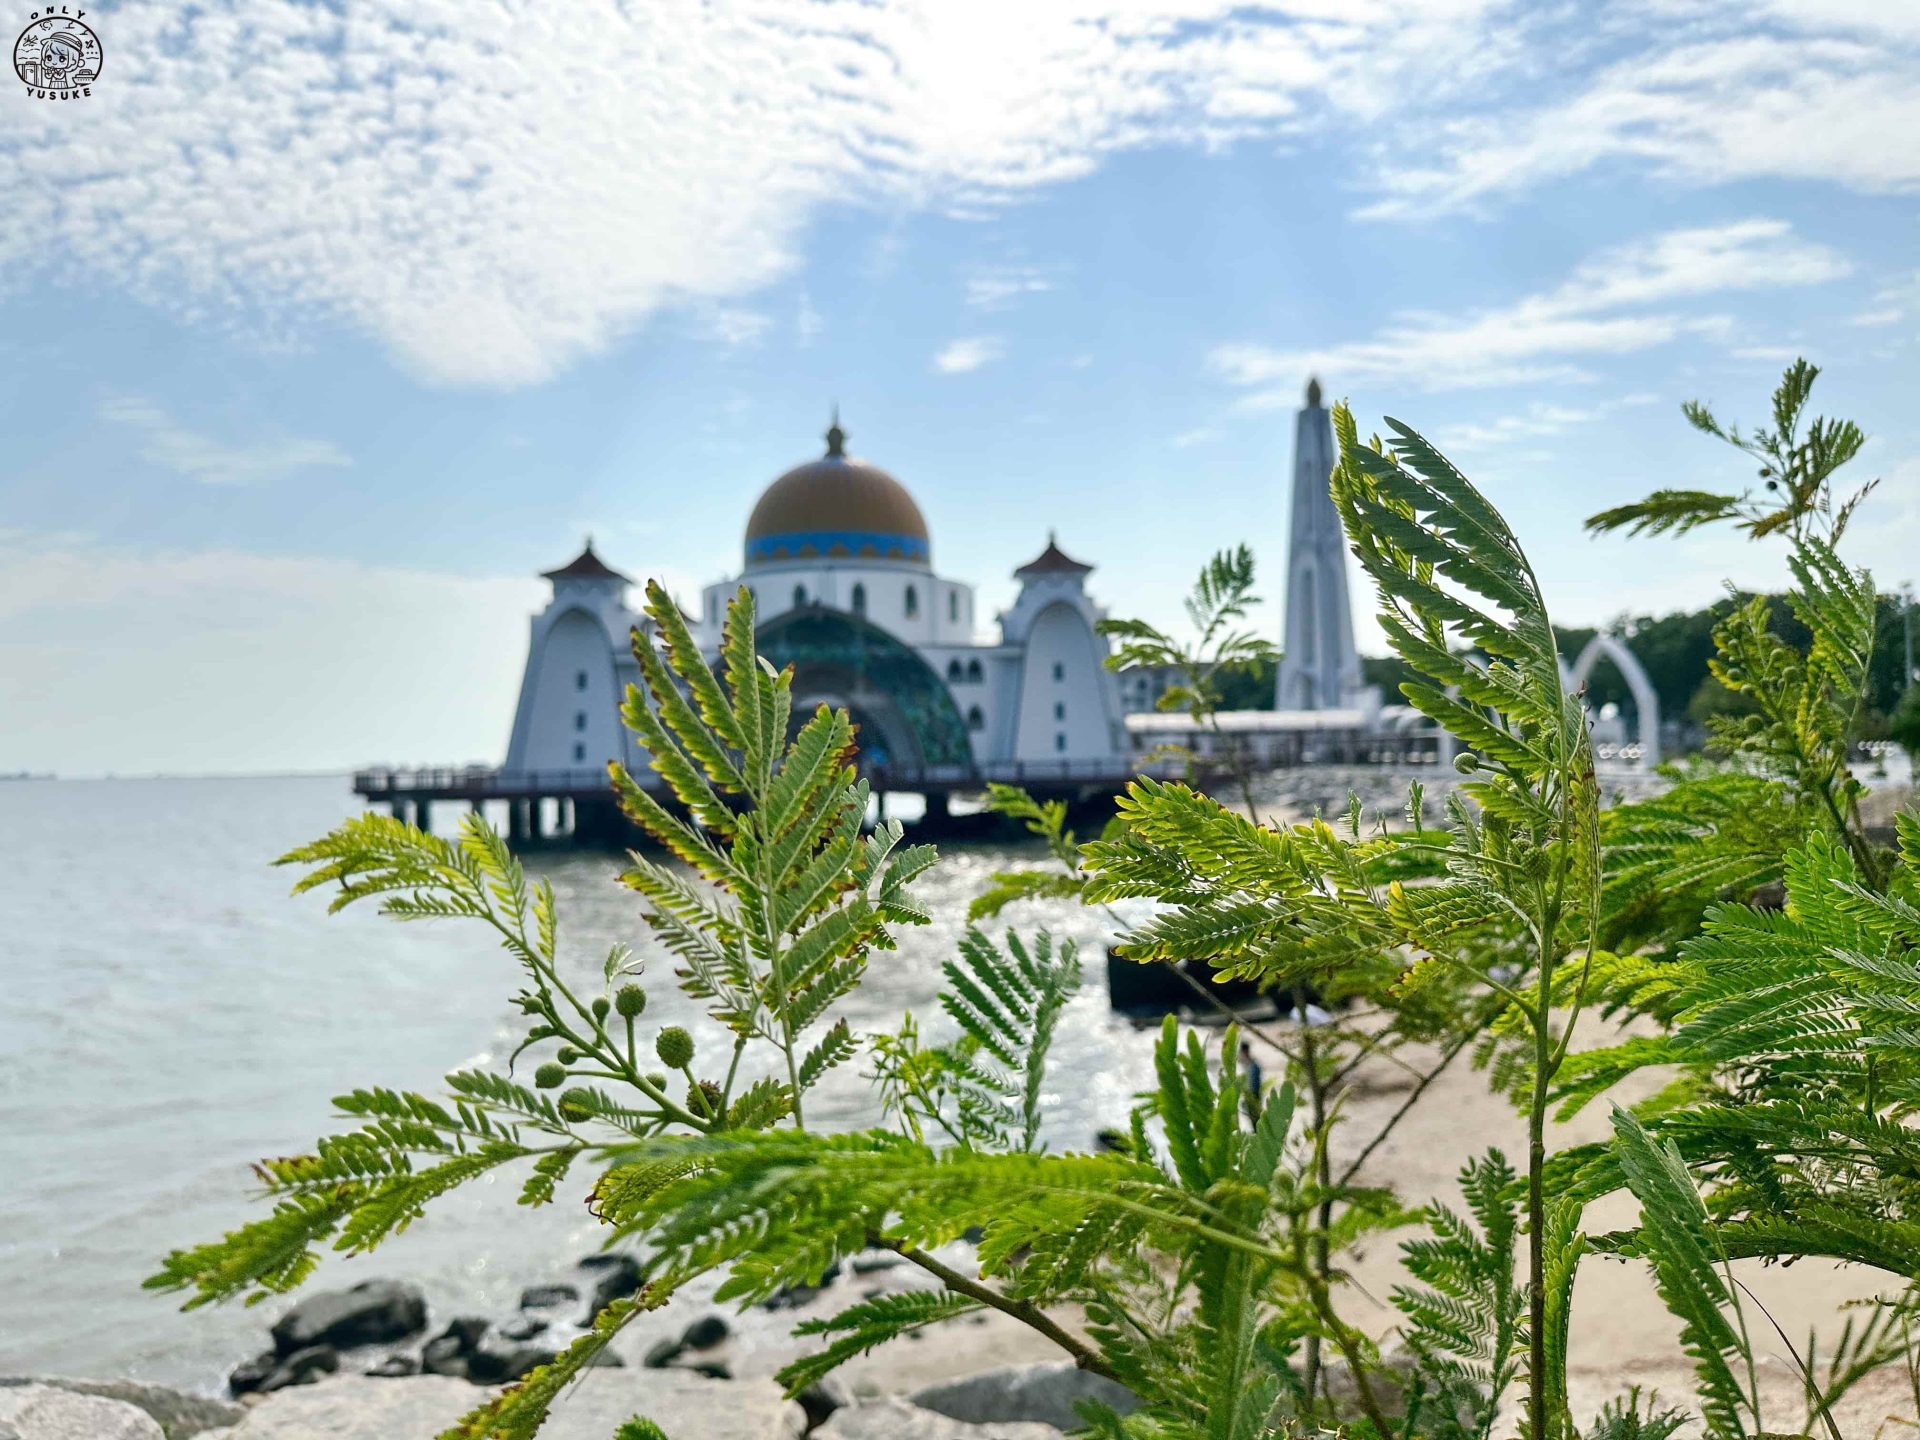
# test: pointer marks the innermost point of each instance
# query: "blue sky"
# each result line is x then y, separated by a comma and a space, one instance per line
325, 328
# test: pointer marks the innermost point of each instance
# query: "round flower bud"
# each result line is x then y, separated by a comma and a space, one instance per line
576, 1104
600, 1007
566, 1055
630, 1000
549, 1075
1466, 762
657, 1079
674, 1047
704, 1099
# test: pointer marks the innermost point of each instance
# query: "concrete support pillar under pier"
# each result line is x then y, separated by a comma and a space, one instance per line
537, 817
399, 808
516, 820
423, 815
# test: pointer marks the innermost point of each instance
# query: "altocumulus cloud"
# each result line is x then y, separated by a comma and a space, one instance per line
494, 191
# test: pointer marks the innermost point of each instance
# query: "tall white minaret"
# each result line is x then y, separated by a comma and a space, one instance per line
1319, 669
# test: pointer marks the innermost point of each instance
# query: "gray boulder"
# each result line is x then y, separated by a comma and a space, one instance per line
1045, 1394
371, 1313
356, 1408
180, 1416
895, 1419
49, 1412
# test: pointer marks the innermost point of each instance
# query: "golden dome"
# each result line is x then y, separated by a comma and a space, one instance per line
836, 507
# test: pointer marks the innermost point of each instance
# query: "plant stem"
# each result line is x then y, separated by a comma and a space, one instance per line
1024, 1311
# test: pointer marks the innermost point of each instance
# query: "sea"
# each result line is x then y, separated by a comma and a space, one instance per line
169, 1013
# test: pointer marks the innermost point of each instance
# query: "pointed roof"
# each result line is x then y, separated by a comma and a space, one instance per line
1052, 561
586, 566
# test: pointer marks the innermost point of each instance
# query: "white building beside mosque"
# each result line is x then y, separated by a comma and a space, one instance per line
840, 563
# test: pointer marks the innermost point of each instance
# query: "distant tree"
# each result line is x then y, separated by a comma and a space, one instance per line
1903, 726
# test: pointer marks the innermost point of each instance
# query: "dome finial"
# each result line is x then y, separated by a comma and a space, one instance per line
836, 437
1313, 392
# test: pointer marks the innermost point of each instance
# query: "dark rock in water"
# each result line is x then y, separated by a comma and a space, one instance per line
248, 1374
1041, 1393
303, 1367
179, 1416
712, 1369
822, 1398
394, 1366
445, 1355
523, 1327
543, 1297
613, 1277
878, 1260
705, 1333
496, 1364
467, 1330
371, 1313
662, 1353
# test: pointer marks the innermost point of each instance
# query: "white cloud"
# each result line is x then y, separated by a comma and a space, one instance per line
1733, 104
968, 353
1618, 302
997, 287
164, 441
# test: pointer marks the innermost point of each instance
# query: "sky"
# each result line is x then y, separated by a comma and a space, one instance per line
324, 329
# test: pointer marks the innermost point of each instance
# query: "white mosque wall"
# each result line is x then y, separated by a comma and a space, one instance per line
568, 717
909, 603
1063, 711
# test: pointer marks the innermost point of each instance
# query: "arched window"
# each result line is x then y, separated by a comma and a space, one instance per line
580, 680
1059, 709
1059, 671
859, 599
953, 604
954, 672
1059, 741
799, 596
579, 719
579, 753
975, 720
913, 601
973, 671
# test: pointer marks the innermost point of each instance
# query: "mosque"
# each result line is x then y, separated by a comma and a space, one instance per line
840, 563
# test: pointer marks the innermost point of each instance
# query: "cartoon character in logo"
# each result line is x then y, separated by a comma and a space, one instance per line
62, 65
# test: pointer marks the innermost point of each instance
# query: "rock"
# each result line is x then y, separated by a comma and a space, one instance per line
394, 1366
303, 1367
494, 1364
876, 1261
712, 1369
894, 1419
371, 1313
662, 1353
180, 1416
612, 1277
523, 1327
445, 1355
50, 1412
466, 1330
356, 1408
793, 1297
705, 1333
822, 1398
1044, 1394
543, 1297
248, 1375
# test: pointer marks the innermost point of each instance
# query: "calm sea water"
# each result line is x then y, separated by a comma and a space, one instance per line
168, 1014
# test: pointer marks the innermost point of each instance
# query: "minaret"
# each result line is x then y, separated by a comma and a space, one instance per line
1319, 669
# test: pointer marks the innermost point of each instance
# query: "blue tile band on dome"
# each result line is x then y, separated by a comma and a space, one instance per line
811, 544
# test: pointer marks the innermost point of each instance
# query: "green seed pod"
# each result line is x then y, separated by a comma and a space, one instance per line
1466, 762
674, 1047
550, 1075
566, 1055
576, 1104
658, 1080
600, 1007
630, 1000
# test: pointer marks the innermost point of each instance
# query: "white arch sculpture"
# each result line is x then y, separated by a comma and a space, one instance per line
1645, 701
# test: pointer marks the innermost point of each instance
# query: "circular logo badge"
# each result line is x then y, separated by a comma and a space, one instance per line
57, 53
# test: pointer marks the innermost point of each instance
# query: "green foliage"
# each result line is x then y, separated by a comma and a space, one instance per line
1904, 725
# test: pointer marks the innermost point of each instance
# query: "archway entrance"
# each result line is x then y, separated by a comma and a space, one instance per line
908, 721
